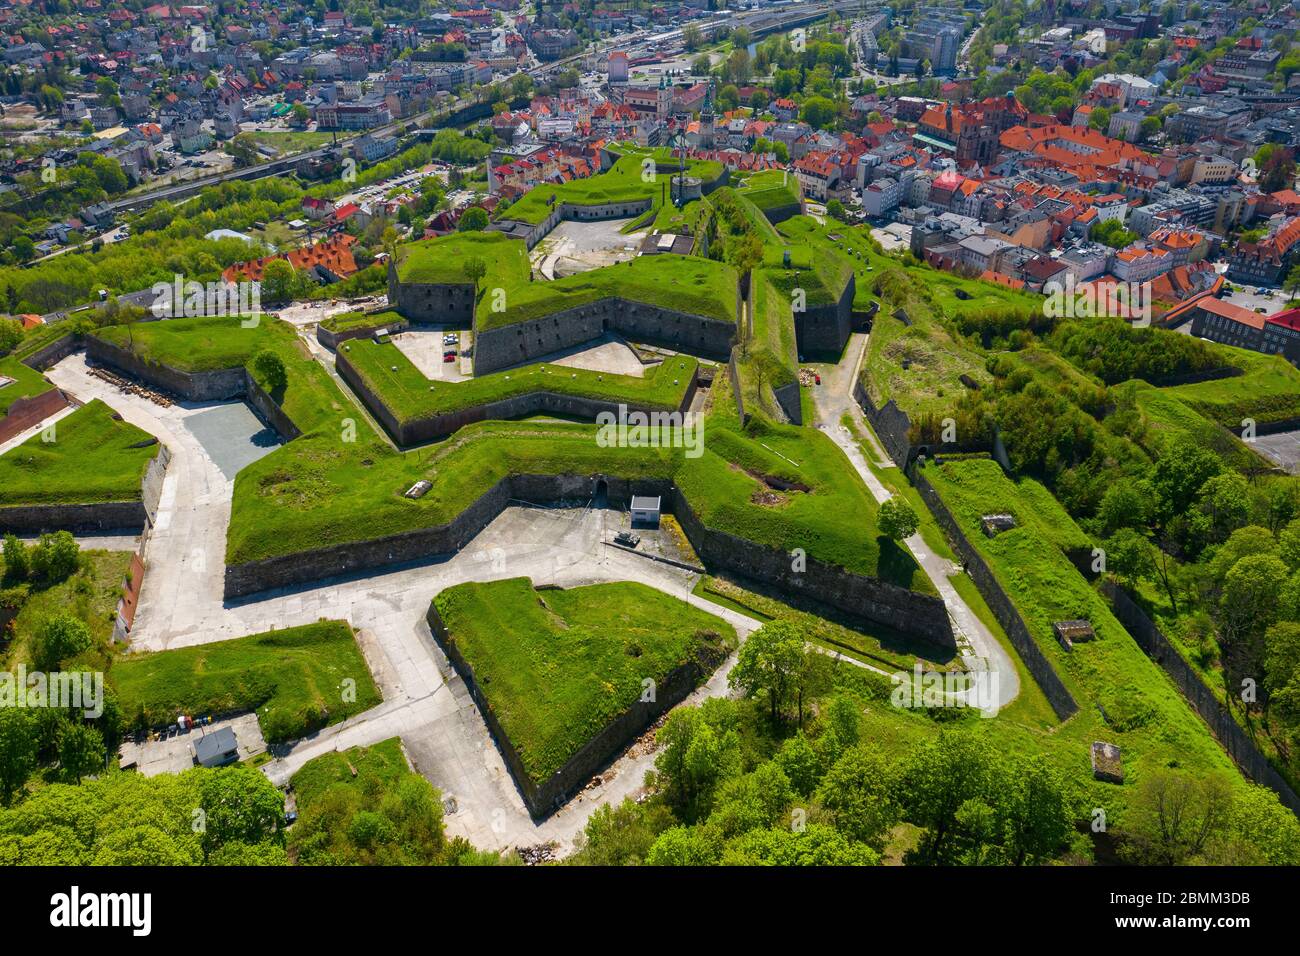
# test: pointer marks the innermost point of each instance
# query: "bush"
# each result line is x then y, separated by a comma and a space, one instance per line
270, 370
897, 519
17, 564
55, 557
59, 638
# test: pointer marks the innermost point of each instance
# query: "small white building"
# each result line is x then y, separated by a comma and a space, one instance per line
645, 509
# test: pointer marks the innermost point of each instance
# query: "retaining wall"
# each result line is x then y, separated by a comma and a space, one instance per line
54, 352
79, 519
221, 385
547, 796
918, 614
826, 328
787, 396
890, 423
216, 386
332, 340
520, 342
1226, 730
26, 412
419, 430
1003, 608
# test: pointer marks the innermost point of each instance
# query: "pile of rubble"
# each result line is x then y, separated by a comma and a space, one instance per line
131, 388
538, 853
807, 378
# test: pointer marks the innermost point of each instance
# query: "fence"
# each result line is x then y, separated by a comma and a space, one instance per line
1225, 728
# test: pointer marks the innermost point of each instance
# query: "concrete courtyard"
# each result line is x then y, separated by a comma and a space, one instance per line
424, 702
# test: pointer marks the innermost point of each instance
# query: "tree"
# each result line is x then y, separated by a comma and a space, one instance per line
897, 520
1178, 475
1126, 504
835, 209
11, 333
473, 219
801, 763
55, 557
754, 801
17, 751
858, 790
17, 566
270, 371
81, 750
1034, 817
684, 846
59, 638
745, 252
476, 269
621, 835
1249, 604
699, 748
279, 281
1129, 557
818, 111
941, 777
815, 845
240, 804
1224, 499
1173, 815
1112, 233
769, 662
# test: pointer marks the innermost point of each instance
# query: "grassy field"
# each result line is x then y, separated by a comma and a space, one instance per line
347, 321
769, 359
1169, 418
383, 763
290, 141
770, 189
93, 457
309, 398
557, 666
443, 260
26, 383
623, 182
406, 391
1123, 696
935, 361
91, 594
1268, 391
684, 283
295, 679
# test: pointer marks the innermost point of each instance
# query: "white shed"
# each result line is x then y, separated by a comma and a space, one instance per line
645, 509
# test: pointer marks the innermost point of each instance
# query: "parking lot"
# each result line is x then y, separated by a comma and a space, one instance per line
173, 752
427, 349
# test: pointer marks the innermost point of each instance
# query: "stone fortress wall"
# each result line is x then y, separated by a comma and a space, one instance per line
522, 342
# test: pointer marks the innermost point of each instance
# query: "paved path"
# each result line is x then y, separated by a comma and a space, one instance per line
424, 702
980, 650
36, 429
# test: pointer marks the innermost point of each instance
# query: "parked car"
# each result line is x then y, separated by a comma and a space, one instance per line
449, 357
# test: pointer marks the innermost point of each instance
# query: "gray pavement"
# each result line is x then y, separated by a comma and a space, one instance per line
979, 648
424, 703
175, 754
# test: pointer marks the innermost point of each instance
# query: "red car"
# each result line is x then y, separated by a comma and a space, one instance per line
449, 357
